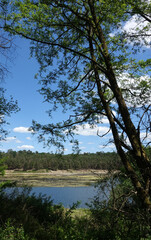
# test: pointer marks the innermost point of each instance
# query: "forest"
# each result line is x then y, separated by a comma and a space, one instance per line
28, 160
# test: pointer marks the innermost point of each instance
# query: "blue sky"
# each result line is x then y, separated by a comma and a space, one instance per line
21, 84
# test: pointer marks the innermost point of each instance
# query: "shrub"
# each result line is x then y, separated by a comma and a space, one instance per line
11, 232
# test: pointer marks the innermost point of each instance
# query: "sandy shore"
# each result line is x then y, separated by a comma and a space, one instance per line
57, 172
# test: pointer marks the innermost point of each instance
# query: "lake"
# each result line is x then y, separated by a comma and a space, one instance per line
65, 195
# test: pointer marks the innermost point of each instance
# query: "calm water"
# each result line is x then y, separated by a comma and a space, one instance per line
67, 195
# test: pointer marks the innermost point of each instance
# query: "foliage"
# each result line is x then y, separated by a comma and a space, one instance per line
121, 216
5, 41
99, 74
2, 172
2, 166
40, 219
27, 160
7, 106
90, 64
12, 233
25, 216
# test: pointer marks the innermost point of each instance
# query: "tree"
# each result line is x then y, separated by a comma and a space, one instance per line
7, 106
90, 62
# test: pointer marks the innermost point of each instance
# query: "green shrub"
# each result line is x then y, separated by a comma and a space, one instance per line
120, 216
10, 232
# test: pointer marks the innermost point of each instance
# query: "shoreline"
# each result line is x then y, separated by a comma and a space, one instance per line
58, 178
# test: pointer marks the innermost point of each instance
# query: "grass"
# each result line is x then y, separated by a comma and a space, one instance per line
81, 212
60, 178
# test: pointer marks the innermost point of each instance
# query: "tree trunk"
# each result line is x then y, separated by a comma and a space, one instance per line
140, 181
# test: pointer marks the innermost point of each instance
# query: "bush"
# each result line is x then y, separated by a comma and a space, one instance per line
120, 216
10, 232
39, 217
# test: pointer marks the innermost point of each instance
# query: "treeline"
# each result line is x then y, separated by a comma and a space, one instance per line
28, 160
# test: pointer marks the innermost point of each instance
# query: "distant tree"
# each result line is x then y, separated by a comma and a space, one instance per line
89, 60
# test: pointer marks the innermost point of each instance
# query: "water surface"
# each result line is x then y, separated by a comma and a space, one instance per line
67, 195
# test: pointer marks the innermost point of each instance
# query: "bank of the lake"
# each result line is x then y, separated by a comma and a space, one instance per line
59, 178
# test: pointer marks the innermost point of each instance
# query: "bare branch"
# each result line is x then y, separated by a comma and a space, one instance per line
103, 134
142, 117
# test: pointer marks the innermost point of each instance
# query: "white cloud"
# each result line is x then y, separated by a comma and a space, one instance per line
26, 147
18, 141
112, 35
1, 118
22, 130
137, 24
82, 148
11, 139
145, 137
28, 138
72, 143
131, 24
105, 120
137, 89
136, 27
108, 147
87, 130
